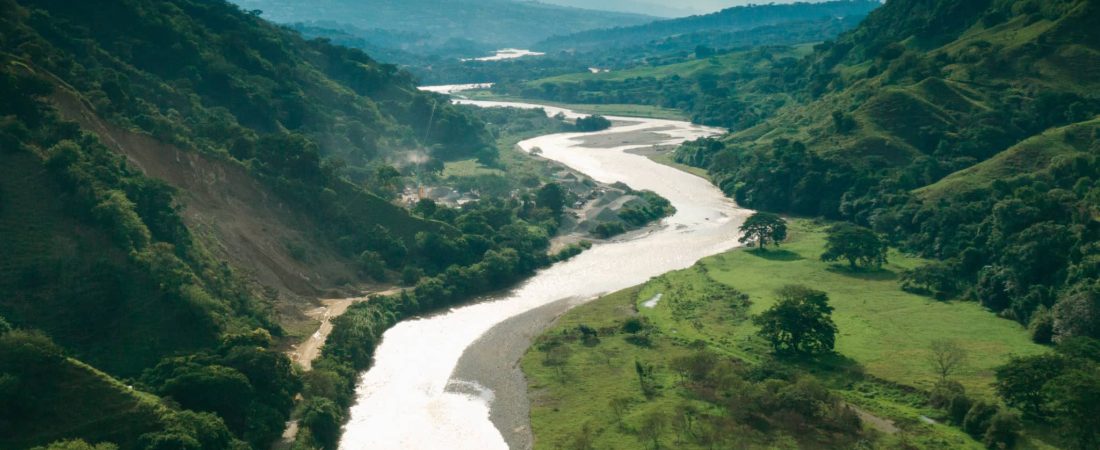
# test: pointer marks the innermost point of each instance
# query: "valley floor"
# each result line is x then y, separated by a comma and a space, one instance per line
881, 365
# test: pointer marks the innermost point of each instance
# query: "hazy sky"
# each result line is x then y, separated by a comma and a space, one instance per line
668, 8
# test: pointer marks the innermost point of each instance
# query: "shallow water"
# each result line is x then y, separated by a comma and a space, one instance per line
652, 302
408, 399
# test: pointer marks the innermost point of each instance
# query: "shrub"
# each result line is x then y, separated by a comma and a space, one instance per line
609, 229
958, 407
411, 275
978, 419
1041, 326
1004, 429
593, 123
372, 264
945, 392
323, 418
937, 279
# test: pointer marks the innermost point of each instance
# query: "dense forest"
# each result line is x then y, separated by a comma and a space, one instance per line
708, 29
964, 145
134, 157
965, 132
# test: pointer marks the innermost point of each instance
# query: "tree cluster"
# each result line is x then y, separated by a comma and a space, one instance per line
1059, 388
593, 123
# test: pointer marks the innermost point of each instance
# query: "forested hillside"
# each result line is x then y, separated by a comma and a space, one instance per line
966, 132
174, 177
974, 88
731, 68
735, 89
708, 29
654, 44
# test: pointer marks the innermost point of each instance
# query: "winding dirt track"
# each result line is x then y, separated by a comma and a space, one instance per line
307, 351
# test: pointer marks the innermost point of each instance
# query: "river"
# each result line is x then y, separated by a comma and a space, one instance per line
411, 398
505, 54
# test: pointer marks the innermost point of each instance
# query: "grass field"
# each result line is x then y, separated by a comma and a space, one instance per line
882, 328
468, 168
884, 334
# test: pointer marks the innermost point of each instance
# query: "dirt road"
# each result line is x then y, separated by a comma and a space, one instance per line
307, 351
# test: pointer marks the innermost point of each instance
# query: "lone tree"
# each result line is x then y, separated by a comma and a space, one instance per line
946, 357
762, 228
860, 246
801, 322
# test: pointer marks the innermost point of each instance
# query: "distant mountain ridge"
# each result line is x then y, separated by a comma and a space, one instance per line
728, 20
650, 7
495, 23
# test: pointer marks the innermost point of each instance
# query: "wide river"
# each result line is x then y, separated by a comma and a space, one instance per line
410, 399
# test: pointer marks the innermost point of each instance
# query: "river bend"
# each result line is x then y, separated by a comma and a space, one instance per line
409, 399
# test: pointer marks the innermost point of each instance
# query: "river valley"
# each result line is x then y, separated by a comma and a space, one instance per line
449, 380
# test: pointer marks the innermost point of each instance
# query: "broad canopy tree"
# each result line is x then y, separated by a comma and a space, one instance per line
800, 323
859, 246
762, 228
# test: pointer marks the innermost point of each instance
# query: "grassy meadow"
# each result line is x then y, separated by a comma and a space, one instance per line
881, 363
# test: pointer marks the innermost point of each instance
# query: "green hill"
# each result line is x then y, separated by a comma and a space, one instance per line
96, 408
178, 181
964, 132
1035, 155
708, 29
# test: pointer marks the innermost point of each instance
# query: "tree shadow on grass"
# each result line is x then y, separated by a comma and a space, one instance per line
776, 254
864, 274
827, 366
